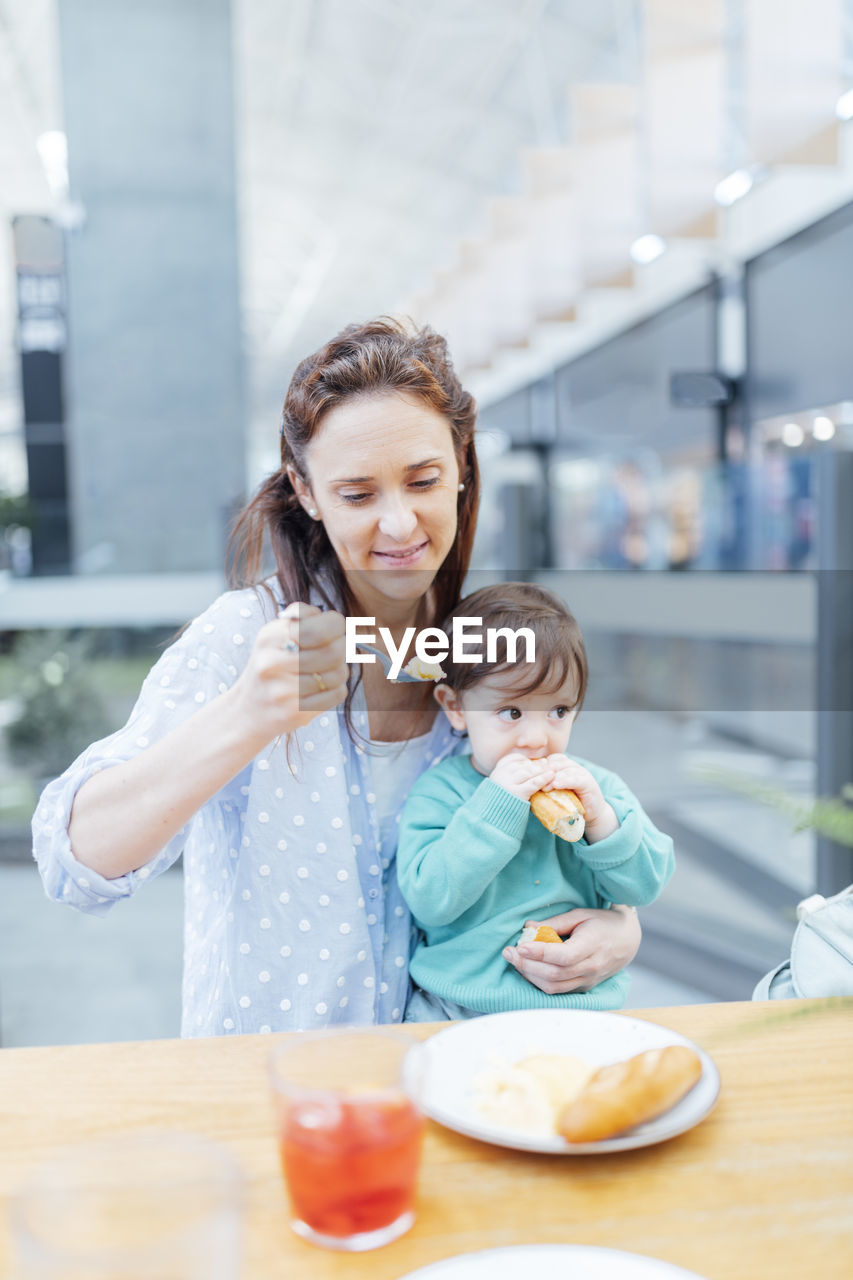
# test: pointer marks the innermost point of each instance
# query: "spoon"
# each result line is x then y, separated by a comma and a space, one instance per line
402, 678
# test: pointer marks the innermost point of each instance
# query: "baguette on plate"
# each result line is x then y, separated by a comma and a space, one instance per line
628, 1093
560, 811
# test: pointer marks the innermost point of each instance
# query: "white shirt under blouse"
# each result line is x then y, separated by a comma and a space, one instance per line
293, 917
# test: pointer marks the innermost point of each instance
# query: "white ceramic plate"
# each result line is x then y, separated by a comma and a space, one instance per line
580, 1262
449, 1061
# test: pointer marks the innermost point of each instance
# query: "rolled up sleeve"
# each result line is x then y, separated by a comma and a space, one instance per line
64, 878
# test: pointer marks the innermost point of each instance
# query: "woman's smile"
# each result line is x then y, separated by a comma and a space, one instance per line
403, 559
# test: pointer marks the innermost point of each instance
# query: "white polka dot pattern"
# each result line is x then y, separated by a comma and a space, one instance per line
277, 878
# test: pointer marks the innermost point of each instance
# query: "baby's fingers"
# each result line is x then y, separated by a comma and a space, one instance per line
573, 775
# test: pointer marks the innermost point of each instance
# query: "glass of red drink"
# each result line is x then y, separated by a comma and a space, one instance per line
350, 1133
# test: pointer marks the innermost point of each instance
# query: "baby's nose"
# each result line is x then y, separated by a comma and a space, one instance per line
534, 735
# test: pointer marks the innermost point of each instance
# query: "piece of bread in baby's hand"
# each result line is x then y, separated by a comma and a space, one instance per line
561, 812
539, 933
628, 1093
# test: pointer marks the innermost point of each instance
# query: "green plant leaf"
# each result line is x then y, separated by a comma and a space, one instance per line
831, 817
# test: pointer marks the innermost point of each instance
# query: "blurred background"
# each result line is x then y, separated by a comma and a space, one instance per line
633, 220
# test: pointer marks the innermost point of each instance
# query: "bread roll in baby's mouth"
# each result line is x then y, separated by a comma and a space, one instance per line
560, 812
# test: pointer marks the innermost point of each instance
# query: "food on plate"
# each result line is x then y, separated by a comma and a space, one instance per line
539, 933
560, 812
560, 1075
551, 1094
530, 1094
625, 1094
423, 670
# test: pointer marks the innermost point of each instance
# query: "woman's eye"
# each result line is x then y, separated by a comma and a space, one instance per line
358, 499
509, 713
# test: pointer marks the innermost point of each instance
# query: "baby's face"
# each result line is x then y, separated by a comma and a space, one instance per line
499, 721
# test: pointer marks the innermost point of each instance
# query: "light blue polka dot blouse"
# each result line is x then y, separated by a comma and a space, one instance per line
293, 916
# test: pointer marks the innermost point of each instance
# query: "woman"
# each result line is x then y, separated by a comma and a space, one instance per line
255, 750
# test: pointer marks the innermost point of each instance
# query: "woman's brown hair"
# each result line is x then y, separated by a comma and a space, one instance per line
363, 359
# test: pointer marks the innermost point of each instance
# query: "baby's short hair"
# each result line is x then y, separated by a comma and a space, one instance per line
560, 651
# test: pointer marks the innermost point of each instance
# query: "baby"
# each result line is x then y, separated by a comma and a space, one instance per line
473, 862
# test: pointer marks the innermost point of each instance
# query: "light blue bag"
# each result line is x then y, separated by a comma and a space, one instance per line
821, 961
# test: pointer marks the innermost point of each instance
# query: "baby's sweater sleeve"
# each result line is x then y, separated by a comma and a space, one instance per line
633, 864
451, 847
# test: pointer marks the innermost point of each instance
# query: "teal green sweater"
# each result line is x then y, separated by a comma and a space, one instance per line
474, 864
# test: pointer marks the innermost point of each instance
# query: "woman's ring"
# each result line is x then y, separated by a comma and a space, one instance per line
291, 646
321, 683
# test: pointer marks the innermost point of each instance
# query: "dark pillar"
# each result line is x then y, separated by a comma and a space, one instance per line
155, 387
835, 654
41, 336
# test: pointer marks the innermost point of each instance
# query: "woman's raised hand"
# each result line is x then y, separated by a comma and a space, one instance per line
297, 669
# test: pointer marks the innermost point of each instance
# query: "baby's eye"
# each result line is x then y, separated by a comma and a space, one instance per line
509, 713
560, 713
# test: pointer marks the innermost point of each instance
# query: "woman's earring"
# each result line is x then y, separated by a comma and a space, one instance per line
312, 511
461, 487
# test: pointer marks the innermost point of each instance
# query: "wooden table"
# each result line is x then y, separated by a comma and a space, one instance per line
762, 1188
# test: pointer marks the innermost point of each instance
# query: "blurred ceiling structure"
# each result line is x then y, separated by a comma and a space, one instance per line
508, 170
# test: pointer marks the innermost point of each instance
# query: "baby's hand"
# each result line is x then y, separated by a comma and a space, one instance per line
600, 820
521, 777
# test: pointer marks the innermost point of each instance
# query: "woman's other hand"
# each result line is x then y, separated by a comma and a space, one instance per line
598, 944
297, 670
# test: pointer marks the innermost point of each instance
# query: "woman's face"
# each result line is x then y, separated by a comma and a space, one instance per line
384, 480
